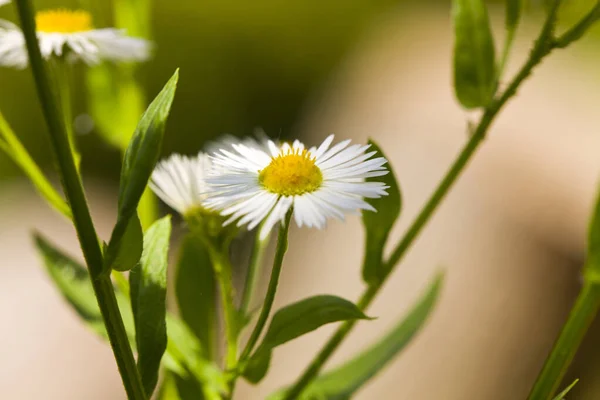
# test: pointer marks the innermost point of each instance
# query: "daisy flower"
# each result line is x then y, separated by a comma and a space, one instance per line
179, 181
71, 34
3, 2
250, 185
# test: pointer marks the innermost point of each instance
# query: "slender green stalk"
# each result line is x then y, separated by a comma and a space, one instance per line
61, 72
542, 47
81, 216
17, 152
582, 314
253, 275
282, 245
222, 268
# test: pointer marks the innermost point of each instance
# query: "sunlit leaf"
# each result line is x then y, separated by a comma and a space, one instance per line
148, 285
296, 320
139, 162
342, 382
561, 395
474, 54
379, 224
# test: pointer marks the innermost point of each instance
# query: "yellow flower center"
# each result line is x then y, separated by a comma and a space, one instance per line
291, 174
63, 21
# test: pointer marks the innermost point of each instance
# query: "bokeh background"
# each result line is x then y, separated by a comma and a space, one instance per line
511, 235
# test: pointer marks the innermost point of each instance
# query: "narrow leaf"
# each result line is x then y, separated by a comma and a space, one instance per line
73, 281
345, 380
296, 320
195, 291
561, 395
184, 347
184, 352
140, 159
131, 245
474, 55
379, 224
148, 285
513, 14
592, 264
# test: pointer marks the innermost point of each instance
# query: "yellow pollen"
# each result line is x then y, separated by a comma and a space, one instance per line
63, 21
291, 174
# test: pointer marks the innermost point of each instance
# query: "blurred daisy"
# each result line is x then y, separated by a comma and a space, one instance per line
70, 34
3, 2
180, 182
251, 185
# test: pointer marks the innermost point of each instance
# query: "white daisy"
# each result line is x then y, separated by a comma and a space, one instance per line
251, 185
180, 181
70, 33
3, 2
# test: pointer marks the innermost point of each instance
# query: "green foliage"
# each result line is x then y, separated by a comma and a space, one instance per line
513, 14
296, 320
344, 381
183, 347
131, 245
592, 265
148, 285
140, 158
561, 395
73, 281
474, 54
379, 224
195, 291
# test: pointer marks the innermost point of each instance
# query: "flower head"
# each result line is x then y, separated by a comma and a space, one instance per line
70, 33
251, 185
3, 2
180, 181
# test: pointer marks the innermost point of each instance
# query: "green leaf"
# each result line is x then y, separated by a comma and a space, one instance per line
184, 347
148, 285
513, 14
296, 320
184, 352
379, 224
73, 281
474, 55
592, 264
127, 254
139, 161
342, 382
561, 395
195, 291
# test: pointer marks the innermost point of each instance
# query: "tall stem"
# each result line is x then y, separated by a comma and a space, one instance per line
282, 245
81, 216
582, 314
543, 45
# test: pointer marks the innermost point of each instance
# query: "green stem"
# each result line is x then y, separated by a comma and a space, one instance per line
81, 216
62, 78
17, 152
543, 45
222, 268
582, 314
282, 245
253, 276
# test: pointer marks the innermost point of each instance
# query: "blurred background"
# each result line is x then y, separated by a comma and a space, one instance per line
510, 236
